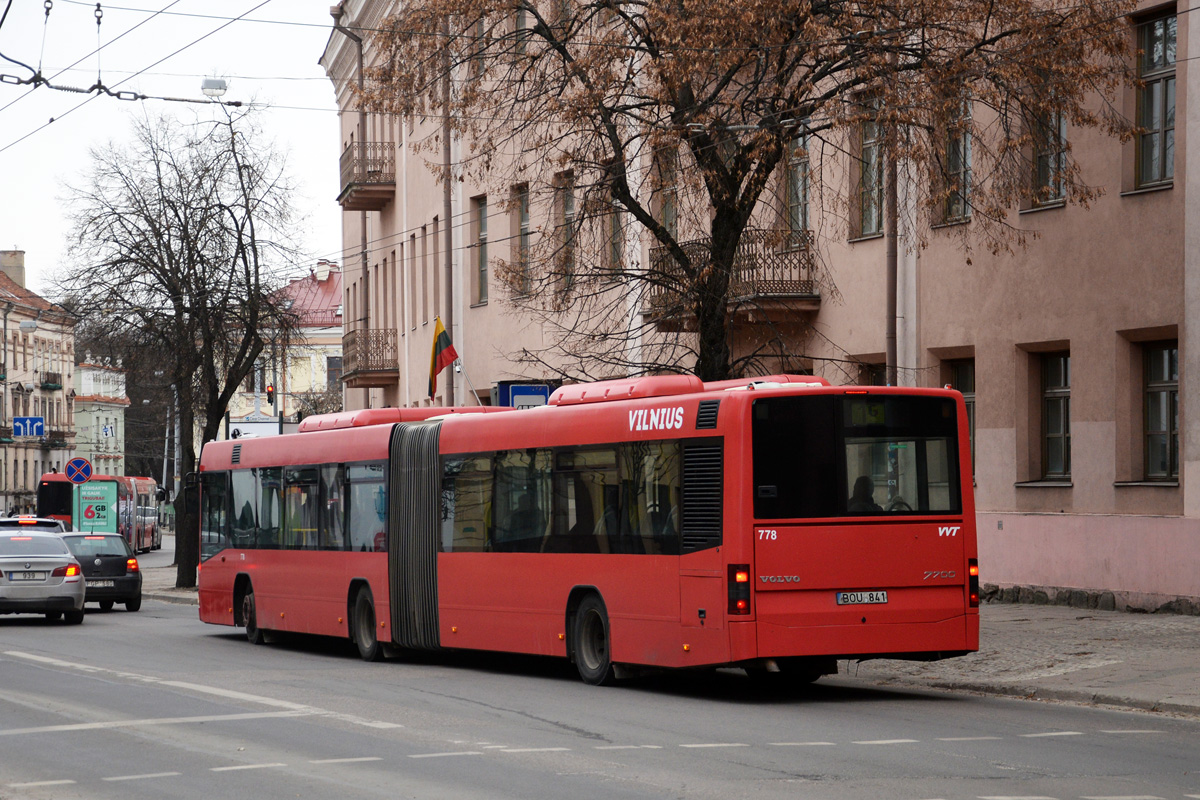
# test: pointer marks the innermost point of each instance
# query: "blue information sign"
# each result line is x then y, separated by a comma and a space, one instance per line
78, 470
29, 426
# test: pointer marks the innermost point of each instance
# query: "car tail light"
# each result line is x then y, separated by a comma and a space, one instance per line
69, 571
739, 589
131, 565
973, 582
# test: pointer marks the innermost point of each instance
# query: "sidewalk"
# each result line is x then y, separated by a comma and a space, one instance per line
1135, 661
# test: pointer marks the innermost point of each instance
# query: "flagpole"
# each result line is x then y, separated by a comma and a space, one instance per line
458, 366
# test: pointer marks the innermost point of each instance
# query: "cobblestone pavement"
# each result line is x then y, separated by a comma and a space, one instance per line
1139, 661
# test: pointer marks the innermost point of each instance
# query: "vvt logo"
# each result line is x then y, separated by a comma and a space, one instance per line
949, 530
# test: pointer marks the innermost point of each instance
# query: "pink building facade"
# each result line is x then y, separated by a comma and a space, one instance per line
1077, 352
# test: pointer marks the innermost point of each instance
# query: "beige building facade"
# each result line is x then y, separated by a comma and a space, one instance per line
37, 369
1074, 351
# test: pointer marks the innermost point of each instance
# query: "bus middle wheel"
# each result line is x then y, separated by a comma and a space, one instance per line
591, 643
369, 647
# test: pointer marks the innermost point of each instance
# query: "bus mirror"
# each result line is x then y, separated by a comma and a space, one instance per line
192, 480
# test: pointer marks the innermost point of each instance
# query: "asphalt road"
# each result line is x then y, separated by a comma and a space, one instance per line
155, 704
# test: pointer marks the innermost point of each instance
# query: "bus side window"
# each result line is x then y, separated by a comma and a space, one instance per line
522, 501
331, 512
214, 513
650, 476
366, 512
270, 506
466, 504
244, 488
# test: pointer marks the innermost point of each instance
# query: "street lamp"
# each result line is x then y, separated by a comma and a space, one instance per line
213, 87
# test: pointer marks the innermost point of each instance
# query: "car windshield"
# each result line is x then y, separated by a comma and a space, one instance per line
18, 545
92, 546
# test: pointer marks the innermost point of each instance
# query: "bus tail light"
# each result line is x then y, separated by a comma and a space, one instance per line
739, 589
973, 582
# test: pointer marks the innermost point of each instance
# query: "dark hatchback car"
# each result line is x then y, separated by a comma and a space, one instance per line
110, 568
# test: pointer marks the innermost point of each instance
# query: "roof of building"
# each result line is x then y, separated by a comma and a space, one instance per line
14, 292
317, 297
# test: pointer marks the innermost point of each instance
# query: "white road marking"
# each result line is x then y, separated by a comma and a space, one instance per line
135, 723
444, 755
1015, 797
1122, 797
142, 777
537, 750
1134, 730
717, 744
245, 766
619, 747
970, 739
801, 744
200, 688
344, 760
1050, 733
890, 741
494, 746
38, 783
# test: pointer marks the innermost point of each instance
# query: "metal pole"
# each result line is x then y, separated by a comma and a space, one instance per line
447, 207
890, 213
166, 446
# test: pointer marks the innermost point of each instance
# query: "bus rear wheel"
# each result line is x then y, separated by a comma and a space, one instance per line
254, 634
369, 647
590, 643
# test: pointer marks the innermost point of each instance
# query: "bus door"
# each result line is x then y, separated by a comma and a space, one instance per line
859, 536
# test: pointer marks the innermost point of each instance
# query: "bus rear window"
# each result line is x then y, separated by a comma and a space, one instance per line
855, 455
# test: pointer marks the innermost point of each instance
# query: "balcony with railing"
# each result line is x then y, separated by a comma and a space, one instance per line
368, 171
50, 380
370, 358
774, 275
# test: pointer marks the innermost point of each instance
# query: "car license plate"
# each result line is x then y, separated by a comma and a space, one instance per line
100, 584
27, 576
860, 598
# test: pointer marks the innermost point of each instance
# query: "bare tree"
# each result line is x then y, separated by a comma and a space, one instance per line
675, 118
179, 238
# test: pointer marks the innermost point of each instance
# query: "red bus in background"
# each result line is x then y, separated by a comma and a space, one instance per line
776, 525
106, 504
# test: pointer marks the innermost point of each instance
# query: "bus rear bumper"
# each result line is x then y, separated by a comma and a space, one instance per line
925, 641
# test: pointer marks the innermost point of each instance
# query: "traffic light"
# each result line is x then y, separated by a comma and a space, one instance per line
271, 394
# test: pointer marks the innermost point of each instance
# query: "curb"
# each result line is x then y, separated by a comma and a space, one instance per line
1072, 696
186, 598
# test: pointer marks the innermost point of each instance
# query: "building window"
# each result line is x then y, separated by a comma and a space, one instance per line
523, 231
479, 212
616, 239
1056, 416
962, 378
1162, 410
566, 228
668, 191
1156, 101
1049, 158
870, 179
956, 206
796, 191
333, 372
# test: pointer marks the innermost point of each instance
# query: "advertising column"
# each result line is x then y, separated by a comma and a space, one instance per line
96, 507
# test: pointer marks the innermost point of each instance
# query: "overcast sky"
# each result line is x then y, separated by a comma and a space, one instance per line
268, 56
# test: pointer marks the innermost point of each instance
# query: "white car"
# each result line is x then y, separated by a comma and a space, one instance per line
38, 575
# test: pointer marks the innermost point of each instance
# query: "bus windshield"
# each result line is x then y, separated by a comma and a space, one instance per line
855, 455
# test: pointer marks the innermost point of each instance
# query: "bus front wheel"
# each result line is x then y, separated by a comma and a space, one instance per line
364, 627
591, 643
254, 634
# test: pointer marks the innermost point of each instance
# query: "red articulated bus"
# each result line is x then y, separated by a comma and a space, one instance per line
104, 504
776, 525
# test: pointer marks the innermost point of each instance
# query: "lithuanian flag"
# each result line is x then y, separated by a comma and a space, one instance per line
444, 354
